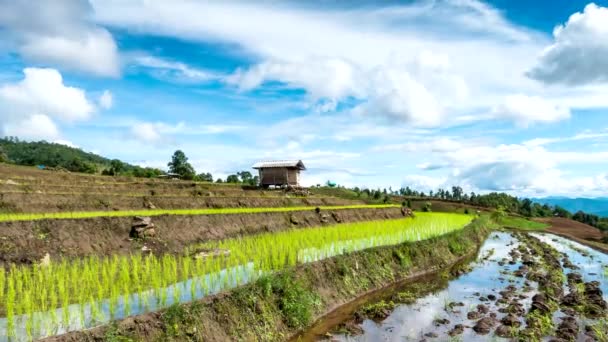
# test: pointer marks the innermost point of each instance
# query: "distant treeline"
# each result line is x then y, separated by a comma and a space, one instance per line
496, 200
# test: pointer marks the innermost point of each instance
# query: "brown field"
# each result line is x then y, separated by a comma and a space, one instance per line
577, 231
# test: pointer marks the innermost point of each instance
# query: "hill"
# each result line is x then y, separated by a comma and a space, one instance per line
597, 206
60, 156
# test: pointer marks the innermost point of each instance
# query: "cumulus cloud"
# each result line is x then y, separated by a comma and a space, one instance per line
30, 107
526, 110
58, 33
43, 91
337, 55
409, 90
32, 127
332, 78
578, 53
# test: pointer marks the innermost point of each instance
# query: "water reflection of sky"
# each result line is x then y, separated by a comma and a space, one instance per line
411, 322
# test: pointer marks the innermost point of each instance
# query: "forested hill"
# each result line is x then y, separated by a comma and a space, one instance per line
597, 206
15, 151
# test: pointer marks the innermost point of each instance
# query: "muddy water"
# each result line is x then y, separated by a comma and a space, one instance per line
434, 316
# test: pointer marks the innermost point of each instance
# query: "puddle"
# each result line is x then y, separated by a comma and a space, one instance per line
425, 318
412, 322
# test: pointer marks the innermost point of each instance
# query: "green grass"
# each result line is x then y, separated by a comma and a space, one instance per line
28, 289
158, 212
521, 223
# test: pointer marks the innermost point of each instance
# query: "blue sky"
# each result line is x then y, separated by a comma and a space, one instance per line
492, 96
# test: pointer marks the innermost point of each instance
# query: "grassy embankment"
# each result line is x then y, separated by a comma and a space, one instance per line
521, 223
277, 305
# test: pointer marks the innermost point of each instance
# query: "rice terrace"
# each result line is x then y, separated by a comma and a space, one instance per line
284, 264
303, 171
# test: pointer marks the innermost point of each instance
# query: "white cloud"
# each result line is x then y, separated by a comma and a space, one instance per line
66, 143
525, 110
409, 90
147, 133
43, 91
460, 55
33, 127
163, 133
332, 78
106, 100
57, 33
578, 54
29, 107
172, 70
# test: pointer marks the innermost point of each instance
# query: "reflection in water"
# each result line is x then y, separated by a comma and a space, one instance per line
410, 322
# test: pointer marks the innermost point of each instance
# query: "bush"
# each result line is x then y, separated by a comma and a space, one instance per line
427, 207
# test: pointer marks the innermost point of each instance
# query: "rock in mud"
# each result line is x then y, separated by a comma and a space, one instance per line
473, 315
596, 305
510, 320
483, 309
484, 325
336, 217
505, 331
441, 321
539, 303
142, 227
568, 329
457, 330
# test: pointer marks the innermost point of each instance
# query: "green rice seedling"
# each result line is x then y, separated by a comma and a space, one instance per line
157, 212
89, 281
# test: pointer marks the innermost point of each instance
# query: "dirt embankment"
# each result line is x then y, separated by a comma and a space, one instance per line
28, 241
276, 307
579, 232
35, 202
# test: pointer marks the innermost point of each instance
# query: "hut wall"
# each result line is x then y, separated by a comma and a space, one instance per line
279, 176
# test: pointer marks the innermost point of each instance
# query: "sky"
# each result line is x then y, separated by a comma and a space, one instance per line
505, 95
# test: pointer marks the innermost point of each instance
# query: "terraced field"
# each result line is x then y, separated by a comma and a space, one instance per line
74, 257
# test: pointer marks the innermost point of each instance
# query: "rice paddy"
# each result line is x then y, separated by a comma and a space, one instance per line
157, 212
109, 288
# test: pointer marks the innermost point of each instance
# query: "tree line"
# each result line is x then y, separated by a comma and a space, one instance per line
496, 200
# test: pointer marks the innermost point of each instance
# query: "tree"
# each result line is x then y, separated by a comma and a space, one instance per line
179, 165
116, 167
232, 179
246, 177
205, 177
3, 156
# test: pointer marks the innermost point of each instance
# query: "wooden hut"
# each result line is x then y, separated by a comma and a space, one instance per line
279, 172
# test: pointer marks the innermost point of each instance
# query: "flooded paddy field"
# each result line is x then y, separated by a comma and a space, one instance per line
531, 287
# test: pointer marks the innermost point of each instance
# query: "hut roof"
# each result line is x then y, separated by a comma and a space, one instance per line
280, 163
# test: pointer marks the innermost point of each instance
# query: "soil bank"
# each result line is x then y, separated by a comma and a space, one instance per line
26, 242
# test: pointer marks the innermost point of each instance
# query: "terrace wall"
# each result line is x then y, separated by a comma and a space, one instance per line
26, 242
